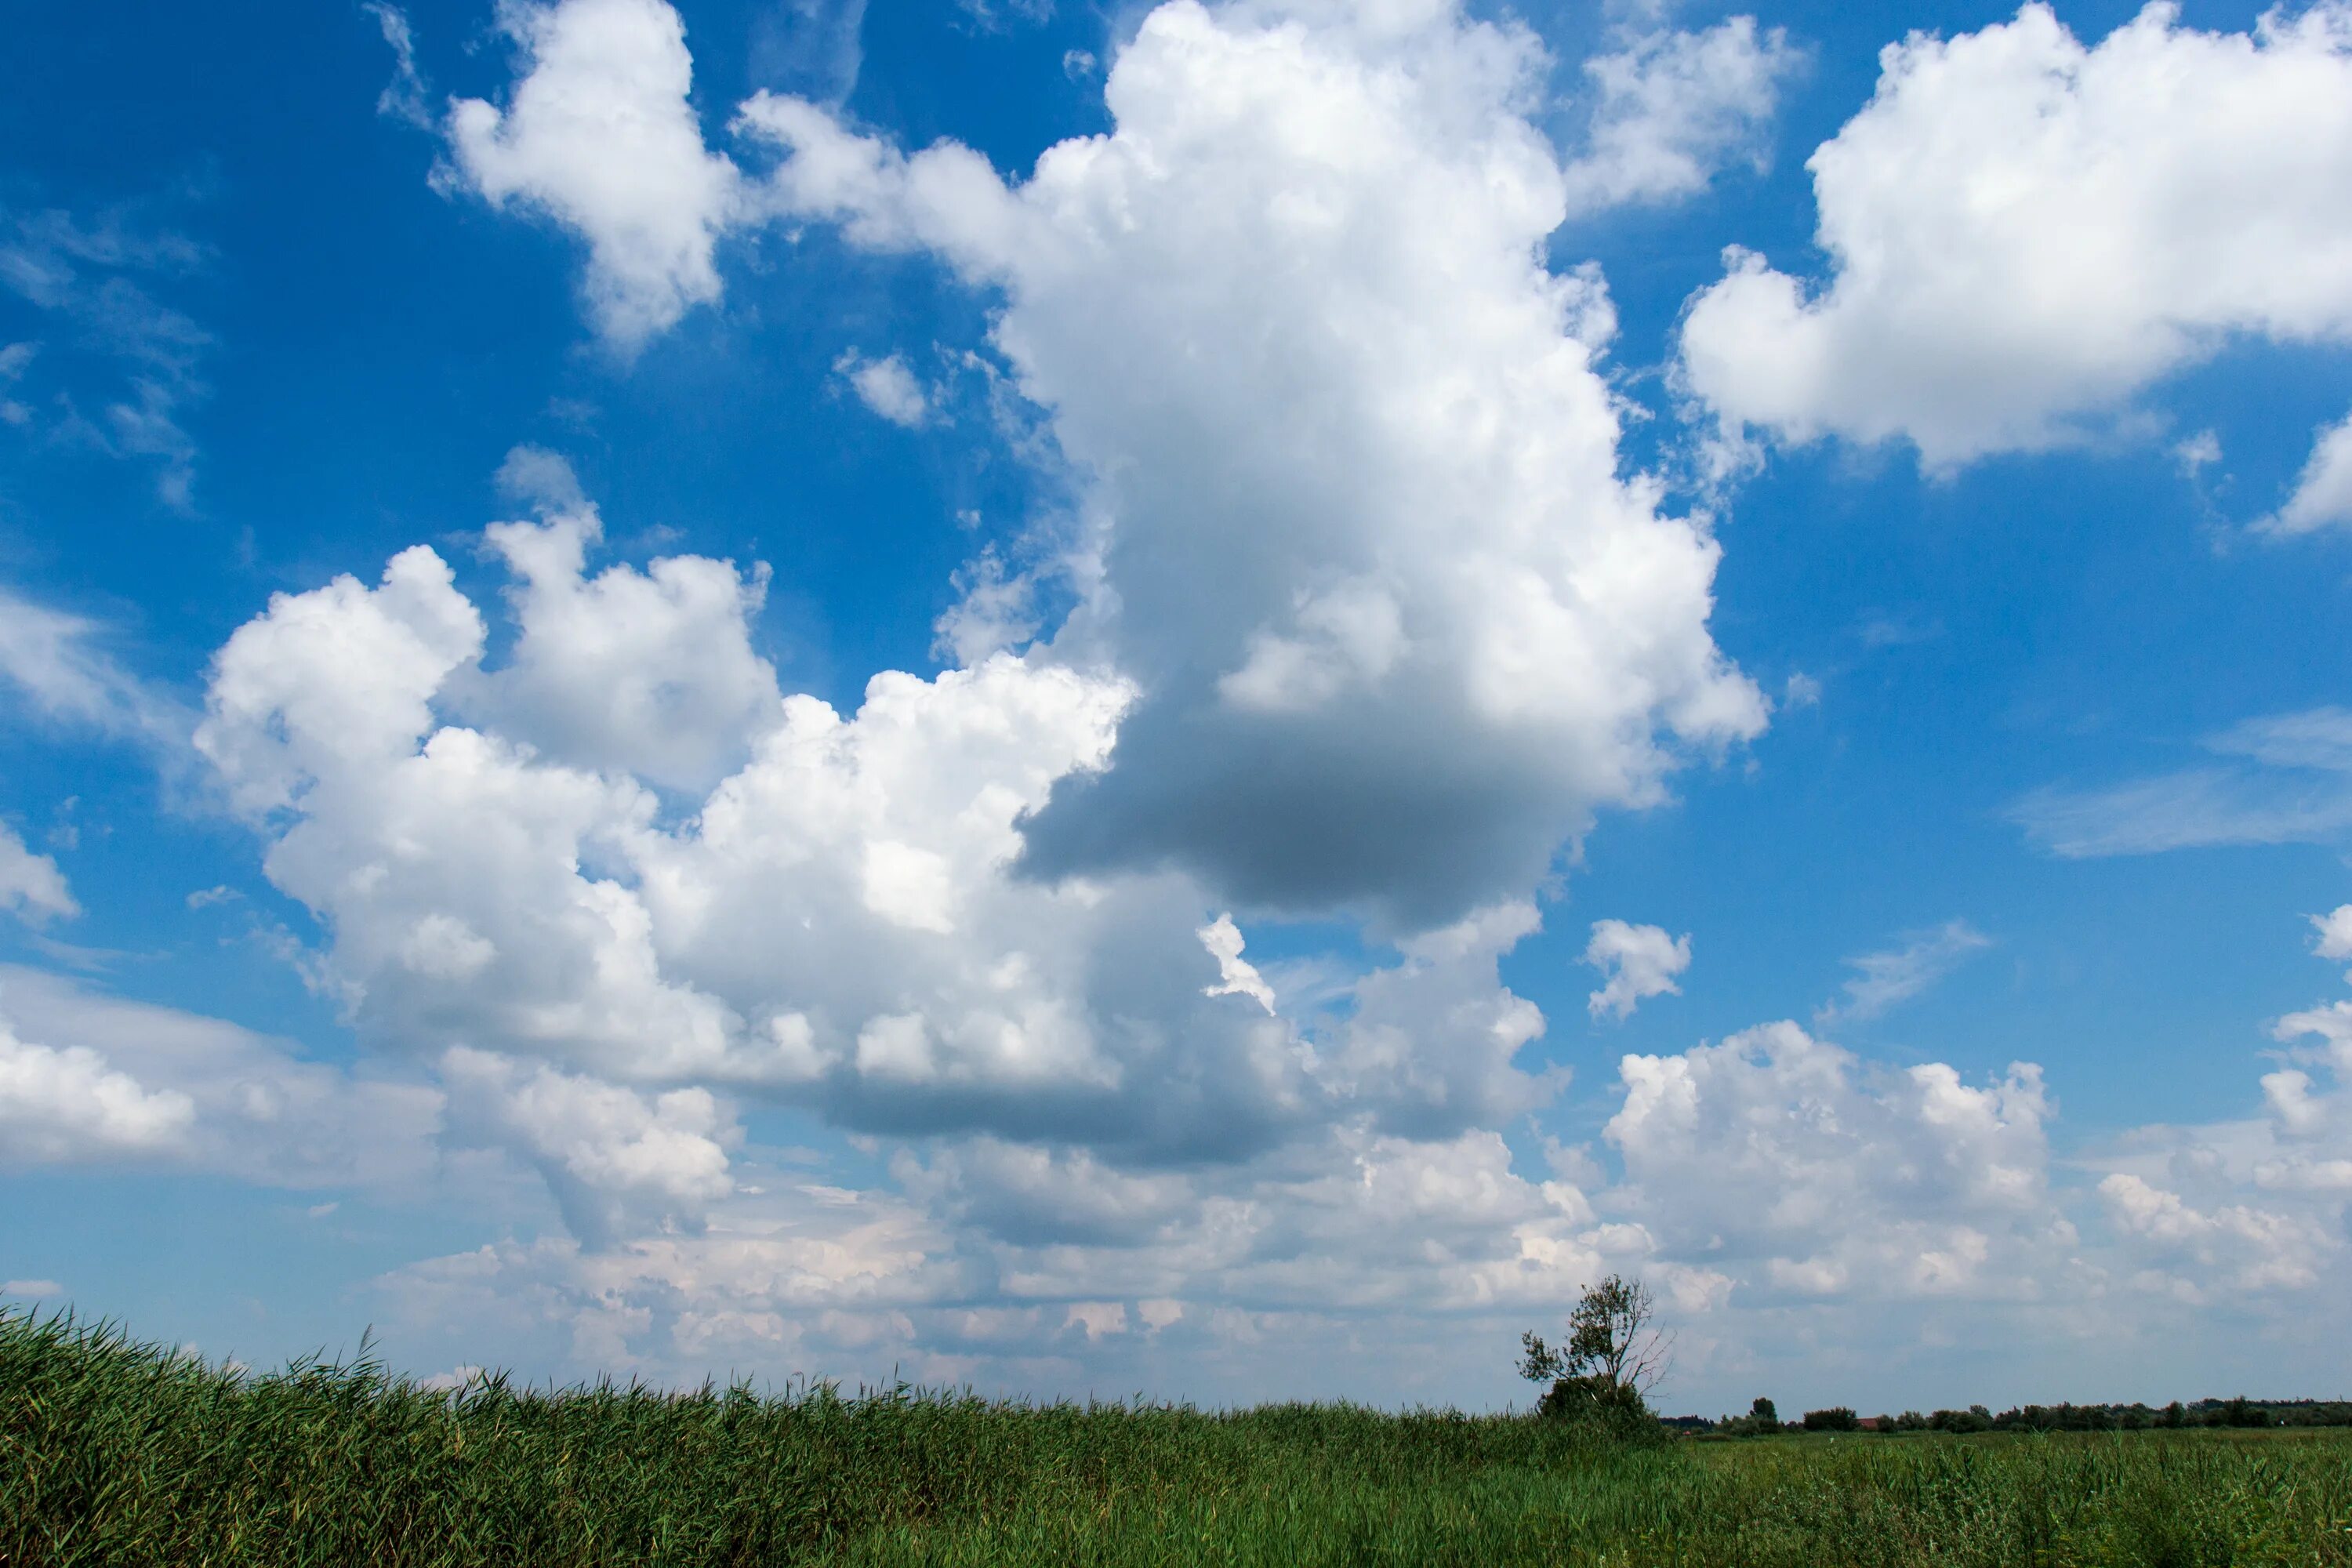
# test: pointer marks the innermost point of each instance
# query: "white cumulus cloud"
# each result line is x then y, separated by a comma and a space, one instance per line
1236, 977
2247, 1248
31, 886
2025, 231
89, 1077
2234, 1216
2323, 494
58, 1106
1351, 472
1637, 962
1786, 1162
608, 1153
2335, 933
646, 671
598, 133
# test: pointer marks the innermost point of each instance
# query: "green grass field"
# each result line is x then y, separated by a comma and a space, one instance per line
113, 1453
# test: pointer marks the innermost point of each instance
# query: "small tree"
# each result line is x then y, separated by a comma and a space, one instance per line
1836, 1418
1613, 1338
1614, 1356
1763, 1416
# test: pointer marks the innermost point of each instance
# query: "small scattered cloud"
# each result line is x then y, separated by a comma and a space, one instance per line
1079, 64
31, 886
2197, 453
1895, 628
2322, 493
542, 480
997, 15
1884, 980
1236, 977
36, 1290
2335, 940
71, 1104
1637, 962
887, 387
1672, 108
13, 359
994, 609
87, 1077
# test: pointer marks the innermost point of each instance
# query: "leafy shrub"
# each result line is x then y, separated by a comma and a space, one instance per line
1610, 1408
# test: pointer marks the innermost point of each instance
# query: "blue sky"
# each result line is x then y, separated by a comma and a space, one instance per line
1203, 699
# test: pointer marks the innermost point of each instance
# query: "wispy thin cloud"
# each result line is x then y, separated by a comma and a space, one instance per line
2290, 781
54, 662
1895, 628
92, 278
2316, 738
811, 48
999, 15
1883, 981
405, 95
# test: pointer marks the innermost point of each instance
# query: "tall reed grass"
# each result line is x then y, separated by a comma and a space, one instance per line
117, 1453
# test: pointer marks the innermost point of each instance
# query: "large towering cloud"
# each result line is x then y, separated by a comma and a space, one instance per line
2024, 232
1398, 623
1355, 527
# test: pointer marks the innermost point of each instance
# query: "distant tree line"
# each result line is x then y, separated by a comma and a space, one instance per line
1605, 1370
1762, 1419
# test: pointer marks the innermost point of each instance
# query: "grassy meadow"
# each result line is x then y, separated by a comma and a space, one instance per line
115, 1453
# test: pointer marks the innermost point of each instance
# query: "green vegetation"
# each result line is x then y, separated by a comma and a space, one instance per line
113, 1453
